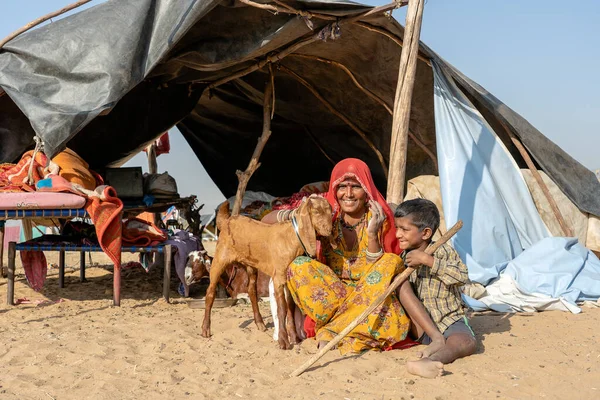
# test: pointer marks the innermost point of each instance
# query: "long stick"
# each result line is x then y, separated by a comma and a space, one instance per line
398, 280
402, 102
42, 19
536, 175
244, 177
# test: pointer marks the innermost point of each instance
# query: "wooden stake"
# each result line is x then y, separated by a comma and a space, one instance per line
393, 286
42, 19
402, 102
244, 177
536, 175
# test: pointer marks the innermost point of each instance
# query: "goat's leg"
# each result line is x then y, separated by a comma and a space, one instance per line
282, 310
289, 321
252, 275
216, 270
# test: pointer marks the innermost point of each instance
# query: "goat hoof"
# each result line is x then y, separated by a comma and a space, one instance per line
205, 333
261, 326
284, 345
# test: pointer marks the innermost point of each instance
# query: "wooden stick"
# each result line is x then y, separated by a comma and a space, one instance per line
536, 175
287, 51
373, 96
331, 108
314, 140
244, 177
398, 280
390, 35
287, 9
40, 20
403, 100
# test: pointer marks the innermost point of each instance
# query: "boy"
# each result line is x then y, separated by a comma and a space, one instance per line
436, 282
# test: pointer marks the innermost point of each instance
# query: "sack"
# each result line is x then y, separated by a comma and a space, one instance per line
160, 185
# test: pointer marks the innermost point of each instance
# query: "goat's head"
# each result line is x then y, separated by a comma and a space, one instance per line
197, 266
314, 219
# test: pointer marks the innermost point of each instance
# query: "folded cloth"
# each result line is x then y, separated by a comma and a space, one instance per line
138, 232
74, 169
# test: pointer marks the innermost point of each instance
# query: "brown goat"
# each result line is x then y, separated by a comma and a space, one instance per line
270, 249
235, 277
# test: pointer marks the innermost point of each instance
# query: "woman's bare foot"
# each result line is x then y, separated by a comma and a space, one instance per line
425, 367
432, 348
321, 344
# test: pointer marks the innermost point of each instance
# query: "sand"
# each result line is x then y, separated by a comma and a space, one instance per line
84, 348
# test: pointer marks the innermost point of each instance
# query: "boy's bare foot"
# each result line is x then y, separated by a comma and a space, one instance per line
425, 367
432, 348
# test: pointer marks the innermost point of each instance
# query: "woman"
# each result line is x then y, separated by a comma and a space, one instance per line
356, 268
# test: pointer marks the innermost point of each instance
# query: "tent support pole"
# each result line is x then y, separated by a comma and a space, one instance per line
338, 114
373, 96
538, 178
152, 164
402, 102
40, 20
244, 177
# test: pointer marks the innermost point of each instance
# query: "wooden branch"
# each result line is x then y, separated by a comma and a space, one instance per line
244, 177
390, 35
314, 140
42, 19
372, 96
398, 280
287, 9
275, 57
403, 101
331, 108
538, 178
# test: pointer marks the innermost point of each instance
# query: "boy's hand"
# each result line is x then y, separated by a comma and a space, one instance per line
414, 258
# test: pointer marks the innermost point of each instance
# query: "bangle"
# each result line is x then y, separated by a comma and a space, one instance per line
374, 255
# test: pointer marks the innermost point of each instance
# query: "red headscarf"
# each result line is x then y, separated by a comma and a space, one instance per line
355, 168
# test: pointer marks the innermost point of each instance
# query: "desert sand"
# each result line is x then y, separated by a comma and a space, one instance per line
76, 345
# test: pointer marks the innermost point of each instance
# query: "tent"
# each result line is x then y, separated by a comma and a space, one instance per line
110, 79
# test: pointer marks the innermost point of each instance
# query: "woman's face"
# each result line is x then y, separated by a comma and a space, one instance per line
351, 197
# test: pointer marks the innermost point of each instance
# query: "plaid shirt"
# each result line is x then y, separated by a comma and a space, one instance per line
438, 287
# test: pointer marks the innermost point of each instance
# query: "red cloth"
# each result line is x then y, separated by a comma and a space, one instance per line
12, 176
162, 145
138, 232
355, 168
36, 268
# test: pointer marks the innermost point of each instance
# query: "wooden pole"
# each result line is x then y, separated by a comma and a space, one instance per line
536, 175
151, 153
42, 19
402, 102
10, 285
393, 286
2, 224
244, 177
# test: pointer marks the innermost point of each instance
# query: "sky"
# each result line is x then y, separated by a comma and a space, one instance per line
540, 57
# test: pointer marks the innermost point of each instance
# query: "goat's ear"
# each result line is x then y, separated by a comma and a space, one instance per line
306, 229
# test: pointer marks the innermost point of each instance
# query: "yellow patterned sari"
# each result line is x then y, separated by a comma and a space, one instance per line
333, 295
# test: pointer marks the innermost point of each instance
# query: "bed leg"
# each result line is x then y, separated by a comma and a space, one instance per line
61, 269
82, 266
10, 287
167, 274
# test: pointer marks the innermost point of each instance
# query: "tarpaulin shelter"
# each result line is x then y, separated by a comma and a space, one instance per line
108, 80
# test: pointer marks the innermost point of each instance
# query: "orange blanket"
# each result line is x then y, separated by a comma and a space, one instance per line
13, 177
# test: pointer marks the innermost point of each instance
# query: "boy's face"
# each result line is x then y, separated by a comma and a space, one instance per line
408, 234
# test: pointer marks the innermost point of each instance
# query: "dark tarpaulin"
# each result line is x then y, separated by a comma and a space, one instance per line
110, 79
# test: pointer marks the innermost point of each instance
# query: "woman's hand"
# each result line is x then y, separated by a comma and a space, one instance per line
376, 220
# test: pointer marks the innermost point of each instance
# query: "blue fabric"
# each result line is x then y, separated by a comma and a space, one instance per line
558, 267
480, 185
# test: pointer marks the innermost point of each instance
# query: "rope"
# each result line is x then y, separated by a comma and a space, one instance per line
39, 147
